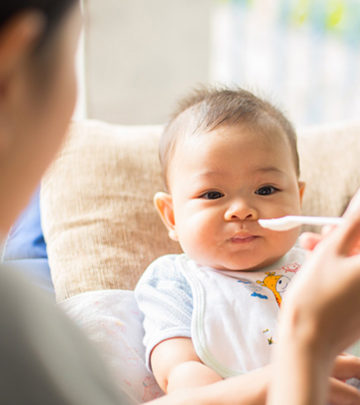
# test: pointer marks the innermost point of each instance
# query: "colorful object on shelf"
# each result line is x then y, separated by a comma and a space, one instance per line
305, 52
335, 17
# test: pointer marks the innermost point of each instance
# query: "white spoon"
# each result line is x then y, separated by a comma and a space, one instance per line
292, 221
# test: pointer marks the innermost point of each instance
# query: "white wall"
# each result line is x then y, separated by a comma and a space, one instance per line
141, 55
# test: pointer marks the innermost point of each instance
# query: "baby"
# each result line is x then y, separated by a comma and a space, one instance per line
228, 159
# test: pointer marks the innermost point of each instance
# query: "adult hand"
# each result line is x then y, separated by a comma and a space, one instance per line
320, 317
328, 286
345, 367
309, 240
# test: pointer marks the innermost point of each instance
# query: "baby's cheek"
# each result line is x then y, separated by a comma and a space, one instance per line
284, 241
201, 244
194, 238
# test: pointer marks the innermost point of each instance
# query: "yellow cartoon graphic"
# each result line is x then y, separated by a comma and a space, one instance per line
270, 341
271, 282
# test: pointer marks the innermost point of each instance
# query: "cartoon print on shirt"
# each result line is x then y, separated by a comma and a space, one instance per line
270, 340
276, 284
291, 268
253, 288
262, 296
270, 282
282, 284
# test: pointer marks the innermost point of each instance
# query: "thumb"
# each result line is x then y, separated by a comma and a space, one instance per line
348, 234
354, 205
309, 240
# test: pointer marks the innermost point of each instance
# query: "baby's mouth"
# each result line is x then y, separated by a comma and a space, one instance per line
243, 238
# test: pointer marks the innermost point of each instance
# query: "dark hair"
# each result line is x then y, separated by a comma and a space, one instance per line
206, 109
53, 11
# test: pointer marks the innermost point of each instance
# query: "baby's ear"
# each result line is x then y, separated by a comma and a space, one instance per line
302, 185
164, 205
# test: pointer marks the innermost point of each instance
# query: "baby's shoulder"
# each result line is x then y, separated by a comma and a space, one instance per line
165, 263
165, 267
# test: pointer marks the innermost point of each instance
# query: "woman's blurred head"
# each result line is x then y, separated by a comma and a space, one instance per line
52, 11
38, 41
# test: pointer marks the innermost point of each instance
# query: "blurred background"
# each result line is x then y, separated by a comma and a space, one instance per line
137, 57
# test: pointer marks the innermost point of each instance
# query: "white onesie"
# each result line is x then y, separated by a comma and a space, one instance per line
234, 313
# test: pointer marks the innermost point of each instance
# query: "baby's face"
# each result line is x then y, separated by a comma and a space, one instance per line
221, 183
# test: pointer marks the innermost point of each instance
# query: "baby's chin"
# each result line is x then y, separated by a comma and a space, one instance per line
244, 265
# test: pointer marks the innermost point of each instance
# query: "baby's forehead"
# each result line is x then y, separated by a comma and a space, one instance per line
257, 135
228, 142
229, 139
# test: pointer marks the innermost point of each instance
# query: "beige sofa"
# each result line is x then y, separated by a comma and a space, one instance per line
98, 218
102, 231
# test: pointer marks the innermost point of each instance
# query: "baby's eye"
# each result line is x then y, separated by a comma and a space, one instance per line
266, 190
212, 195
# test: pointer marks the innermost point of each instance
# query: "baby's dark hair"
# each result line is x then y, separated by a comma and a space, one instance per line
206, 109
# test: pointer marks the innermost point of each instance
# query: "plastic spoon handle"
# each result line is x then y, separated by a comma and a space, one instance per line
316, 220
292, 221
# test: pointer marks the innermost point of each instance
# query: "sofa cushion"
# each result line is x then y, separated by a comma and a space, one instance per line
329, 162
96, 200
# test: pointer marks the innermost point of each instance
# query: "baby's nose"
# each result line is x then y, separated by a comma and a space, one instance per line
241, 211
